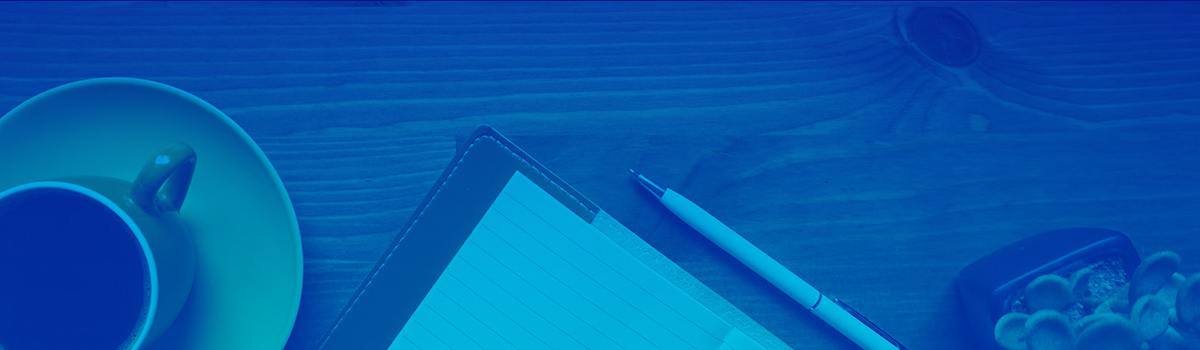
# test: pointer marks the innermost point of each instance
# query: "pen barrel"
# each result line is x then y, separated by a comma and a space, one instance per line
852, 327
774, 272
741, 249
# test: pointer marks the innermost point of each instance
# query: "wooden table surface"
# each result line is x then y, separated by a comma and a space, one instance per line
813, 129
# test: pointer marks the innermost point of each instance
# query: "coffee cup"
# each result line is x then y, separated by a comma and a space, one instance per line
92, 262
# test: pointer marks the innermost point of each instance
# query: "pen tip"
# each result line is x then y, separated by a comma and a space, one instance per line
649, 185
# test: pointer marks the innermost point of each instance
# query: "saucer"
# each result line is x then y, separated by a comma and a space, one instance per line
249, 265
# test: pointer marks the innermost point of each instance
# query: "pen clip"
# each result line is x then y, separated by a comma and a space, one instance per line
869, 324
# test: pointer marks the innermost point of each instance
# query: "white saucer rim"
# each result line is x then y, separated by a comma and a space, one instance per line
292, 220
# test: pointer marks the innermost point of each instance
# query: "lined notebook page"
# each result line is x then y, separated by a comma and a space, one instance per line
533, 275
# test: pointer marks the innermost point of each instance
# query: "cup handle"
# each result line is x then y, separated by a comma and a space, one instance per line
164, 180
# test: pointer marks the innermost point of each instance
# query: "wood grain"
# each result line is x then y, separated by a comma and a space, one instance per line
814, 129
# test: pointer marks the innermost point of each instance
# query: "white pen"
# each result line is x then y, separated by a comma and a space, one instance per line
834, 312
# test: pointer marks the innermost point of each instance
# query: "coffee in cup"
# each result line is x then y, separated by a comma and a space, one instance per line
94, 262
88, 289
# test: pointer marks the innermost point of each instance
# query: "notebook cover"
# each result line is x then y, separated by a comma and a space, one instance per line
433, 235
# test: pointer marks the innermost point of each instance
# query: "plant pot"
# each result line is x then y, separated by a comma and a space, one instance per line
989, 286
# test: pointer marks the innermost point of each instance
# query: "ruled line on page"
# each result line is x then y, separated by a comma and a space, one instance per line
533, 275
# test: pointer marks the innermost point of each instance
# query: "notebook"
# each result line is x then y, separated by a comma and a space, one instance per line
503, 254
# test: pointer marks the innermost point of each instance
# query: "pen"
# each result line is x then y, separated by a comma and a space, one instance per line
834, 312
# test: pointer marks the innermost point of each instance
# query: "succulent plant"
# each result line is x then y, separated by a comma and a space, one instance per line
1187, 303
1171, 339
1010, 331
1079, 282
1109, 332
1048, 292
1170, 290
1152, 274
1088, 320
1151, 314
1049, 330
1158, 309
